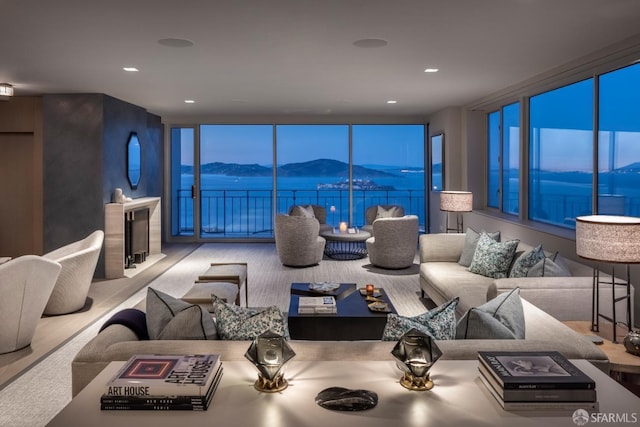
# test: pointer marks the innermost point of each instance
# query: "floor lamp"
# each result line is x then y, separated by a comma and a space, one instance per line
614, 240
456, 201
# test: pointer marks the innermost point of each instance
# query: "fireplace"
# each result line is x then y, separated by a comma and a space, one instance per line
136, 237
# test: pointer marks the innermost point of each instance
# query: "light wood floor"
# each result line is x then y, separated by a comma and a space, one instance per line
54, 331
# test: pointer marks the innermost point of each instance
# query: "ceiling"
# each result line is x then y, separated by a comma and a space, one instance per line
274, 57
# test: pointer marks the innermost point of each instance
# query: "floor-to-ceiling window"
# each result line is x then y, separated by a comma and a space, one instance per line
561, 154
388, 168
182, 181
619, 142
227, 180
313, 168
236, 180
503, 159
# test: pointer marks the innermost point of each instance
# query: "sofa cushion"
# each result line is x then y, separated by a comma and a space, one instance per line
491, 258
524, 262
240, 323
470, 243
439, 323
170, 318
500, 318
550, 267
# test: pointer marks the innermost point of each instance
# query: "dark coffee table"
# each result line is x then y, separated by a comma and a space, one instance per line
354, 320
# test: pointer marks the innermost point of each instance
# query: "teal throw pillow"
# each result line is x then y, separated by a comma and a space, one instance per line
500, 318
439, 323
491, 258
170, 318
239, 323
470, 243
555, 266
524, 262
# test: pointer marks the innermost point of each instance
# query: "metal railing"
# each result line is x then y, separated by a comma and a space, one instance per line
249, 213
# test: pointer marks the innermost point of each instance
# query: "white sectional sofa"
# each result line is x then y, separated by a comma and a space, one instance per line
564, 298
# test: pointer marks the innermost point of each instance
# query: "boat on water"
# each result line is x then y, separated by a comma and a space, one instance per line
358, 184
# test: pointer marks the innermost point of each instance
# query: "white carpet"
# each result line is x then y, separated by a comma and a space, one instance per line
39, 394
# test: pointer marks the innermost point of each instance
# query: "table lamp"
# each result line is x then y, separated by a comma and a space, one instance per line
416, 352
269, 352
456, 201
609, 239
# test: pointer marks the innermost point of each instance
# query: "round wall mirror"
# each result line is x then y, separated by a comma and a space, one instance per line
133, 160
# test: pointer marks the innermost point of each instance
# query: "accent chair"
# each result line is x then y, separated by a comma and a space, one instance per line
395, 242
297, 241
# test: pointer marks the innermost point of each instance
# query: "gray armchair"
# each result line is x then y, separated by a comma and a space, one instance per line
319, 212
25, 284
297, 241
395, 242
380, 211
78, 260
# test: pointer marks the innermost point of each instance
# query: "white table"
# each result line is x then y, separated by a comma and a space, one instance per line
458, 399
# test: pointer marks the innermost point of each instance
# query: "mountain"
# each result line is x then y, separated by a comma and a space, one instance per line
319, 167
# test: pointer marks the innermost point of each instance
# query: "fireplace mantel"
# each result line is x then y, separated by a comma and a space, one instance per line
114, 223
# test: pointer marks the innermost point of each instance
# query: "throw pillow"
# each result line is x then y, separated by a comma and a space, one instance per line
500, 318
239, 323
386, 213
305, 211
491, 258
170, 318
439, 323
550, 267
525, 261
470, 244
132, 318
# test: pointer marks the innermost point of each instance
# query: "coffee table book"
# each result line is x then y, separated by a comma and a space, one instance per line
534, 370
317, 305
148, 375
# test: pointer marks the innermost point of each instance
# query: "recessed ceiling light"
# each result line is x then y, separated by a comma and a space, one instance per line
370, 43
431, 70
392, 102
189, 101
130, 69
173, 42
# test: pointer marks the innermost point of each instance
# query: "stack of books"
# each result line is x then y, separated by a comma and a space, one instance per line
536, 380
317, 305
164, 382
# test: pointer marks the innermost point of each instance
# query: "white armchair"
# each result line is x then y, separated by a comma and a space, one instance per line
297, 240
78, 260
394, 243
25, 284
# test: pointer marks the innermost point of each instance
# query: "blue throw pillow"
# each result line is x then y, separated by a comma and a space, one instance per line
439, 323
524, 262
239, 323
491, 258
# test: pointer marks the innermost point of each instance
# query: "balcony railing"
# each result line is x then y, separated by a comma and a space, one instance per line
249, 213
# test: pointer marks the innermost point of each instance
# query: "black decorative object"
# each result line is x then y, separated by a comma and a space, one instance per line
416, 352
134, 157
632, 342
344, 399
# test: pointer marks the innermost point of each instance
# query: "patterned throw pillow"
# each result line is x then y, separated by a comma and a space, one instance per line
170, 318
500, 318
239, 323
439, 323
491, 258
470, 244
525, 261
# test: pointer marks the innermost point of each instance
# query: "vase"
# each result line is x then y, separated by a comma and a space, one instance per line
632, 342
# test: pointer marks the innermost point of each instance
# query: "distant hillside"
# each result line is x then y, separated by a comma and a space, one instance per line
319, 167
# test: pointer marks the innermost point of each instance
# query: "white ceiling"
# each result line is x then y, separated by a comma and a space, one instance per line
297, 56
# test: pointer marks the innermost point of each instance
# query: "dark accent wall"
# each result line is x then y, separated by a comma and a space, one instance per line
84, 158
